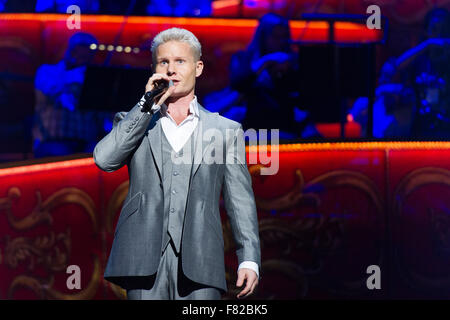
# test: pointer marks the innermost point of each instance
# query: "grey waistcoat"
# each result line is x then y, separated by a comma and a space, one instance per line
176, 180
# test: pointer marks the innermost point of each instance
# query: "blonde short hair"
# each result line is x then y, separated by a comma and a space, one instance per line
176, 34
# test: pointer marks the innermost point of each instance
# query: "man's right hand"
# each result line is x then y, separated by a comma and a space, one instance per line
151, 85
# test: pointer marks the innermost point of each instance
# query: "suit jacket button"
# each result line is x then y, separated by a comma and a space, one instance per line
172, 210
128, 130
136, 119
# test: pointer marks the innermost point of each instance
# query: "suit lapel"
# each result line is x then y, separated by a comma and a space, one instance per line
206, 122
154, 139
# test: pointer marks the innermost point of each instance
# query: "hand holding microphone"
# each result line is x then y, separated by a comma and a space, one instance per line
159, 87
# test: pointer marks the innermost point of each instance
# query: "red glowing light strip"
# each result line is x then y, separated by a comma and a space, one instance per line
46, 17
47, 166
296, 26
356, 146
325, 146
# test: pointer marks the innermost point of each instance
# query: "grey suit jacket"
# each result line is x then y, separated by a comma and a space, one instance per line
135, 141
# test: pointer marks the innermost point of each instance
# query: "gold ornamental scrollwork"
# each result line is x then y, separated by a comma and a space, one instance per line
324, 234
41, 213
52, 251
115, 203
300, 193
439, 223
42, 287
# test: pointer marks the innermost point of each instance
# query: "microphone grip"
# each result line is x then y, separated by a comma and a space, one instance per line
150, 97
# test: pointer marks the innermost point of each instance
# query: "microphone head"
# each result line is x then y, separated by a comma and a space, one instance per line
160, 87
148, 95
162, 84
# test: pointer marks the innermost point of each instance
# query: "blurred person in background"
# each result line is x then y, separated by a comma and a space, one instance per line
422, 72
400, 103
426, 68
393, 109
266, 74
59, 128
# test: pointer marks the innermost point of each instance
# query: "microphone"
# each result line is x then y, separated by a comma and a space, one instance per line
153, 96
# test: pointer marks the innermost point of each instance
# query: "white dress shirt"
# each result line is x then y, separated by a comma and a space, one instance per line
178, 135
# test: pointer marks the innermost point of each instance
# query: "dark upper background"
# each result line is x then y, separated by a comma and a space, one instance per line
27, 43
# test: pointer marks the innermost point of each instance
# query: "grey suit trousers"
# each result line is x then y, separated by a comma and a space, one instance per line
172, 284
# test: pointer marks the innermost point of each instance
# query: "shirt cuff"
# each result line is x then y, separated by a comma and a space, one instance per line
250, 265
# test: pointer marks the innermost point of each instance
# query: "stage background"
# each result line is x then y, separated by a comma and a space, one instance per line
331, 211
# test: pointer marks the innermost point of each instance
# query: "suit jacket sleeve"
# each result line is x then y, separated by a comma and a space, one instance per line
240, 201
112, 152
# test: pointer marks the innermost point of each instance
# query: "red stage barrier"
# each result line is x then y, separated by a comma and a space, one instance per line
332, 210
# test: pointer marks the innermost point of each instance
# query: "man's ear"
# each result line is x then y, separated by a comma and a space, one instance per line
198, 68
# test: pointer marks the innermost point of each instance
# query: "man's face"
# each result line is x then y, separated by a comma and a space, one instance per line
436, 28
80, 55
176, 60
277, 40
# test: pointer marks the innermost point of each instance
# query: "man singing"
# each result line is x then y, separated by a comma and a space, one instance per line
168, 242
